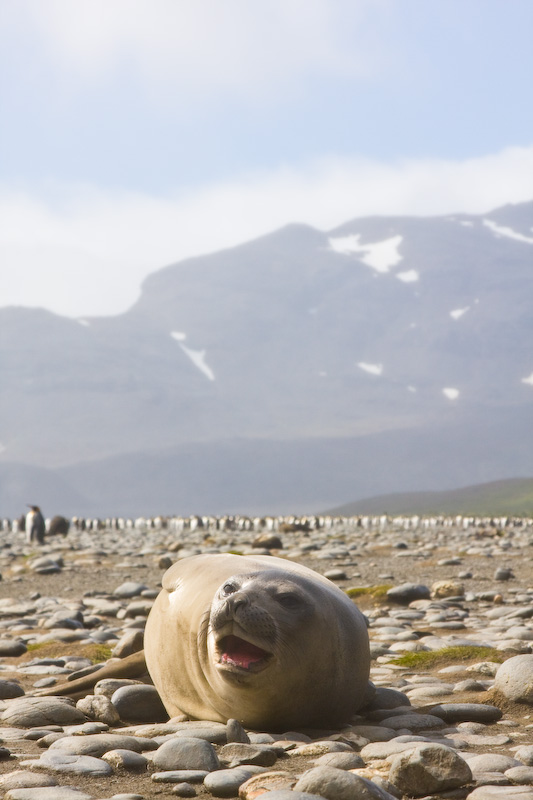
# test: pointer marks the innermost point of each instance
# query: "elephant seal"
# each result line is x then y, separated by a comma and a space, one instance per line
260, 639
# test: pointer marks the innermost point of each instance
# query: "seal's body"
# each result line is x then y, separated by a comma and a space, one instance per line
260, 639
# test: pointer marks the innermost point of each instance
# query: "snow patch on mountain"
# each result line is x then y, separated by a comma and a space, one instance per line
458, 312
198, 359
528, 380
450, 393
501, 230
381, 256
83, 322
372, 369
196, 356
409, 276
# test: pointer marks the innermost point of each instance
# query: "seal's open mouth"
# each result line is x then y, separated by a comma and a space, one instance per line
237, 652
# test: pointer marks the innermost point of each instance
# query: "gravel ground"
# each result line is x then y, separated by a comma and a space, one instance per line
98, 562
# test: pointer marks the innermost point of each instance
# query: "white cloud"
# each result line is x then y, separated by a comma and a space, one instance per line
83, 251
204, 44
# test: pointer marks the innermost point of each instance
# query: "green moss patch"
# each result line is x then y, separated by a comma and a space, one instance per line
377, 592
96, 652
448, 655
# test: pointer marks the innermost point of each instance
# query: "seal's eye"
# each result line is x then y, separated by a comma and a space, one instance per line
229, 588
288, 600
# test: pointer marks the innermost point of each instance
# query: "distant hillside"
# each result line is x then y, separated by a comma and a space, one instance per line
508, 497
269, 476
392, 354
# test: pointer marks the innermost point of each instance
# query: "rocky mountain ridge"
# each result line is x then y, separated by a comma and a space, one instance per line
380, 349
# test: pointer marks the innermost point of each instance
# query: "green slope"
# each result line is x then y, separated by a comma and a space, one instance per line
507, 497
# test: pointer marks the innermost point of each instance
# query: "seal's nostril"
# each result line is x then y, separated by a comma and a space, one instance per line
238, 600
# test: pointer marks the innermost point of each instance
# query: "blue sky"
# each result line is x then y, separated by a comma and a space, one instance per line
138, 132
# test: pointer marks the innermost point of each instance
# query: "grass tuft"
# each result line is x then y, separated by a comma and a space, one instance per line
434, 658
101, 653
96, 652
377, 592
36, 646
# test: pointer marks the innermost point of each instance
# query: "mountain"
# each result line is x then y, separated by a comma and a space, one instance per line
509, 497
299, 369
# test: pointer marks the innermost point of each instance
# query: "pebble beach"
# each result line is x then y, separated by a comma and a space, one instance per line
449, 604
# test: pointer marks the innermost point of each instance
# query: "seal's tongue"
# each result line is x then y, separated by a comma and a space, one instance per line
240, 653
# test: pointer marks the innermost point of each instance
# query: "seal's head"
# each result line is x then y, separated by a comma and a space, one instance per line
252, 617
263, 640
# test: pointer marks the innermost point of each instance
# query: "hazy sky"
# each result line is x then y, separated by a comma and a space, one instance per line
135, 133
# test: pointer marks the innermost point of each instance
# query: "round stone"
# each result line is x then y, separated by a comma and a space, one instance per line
520, 775
48, 793
126, 760
184, 790
73, 764
11, 648
129, 589
335, 575
525, 754
407, 592
186, 754
130, 642
32, 712
340, 760
139, 703
236, 754
427, 769
501, 793
447, 589
25, 779
491, 762
503, 574
467, 712
99, 743
108, 686
180, 776
413, 722
99, 708
235, 732
336, 783
514, 679
226, 782
267, 540
267, 782
286, 794
10, 689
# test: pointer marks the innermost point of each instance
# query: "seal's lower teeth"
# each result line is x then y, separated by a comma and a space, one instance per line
240, 653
